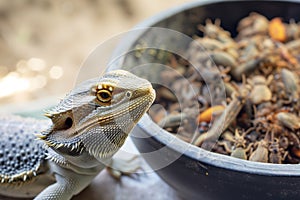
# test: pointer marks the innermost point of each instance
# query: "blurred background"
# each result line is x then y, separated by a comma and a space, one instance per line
44, 42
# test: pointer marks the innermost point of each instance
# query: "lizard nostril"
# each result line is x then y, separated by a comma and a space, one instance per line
69, 122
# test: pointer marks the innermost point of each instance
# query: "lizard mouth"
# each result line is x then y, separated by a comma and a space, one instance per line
73, 147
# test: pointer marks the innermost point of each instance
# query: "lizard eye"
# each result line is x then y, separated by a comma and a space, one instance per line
104, 96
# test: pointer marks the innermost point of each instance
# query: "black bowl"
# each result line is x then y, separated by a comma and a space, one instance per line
196, 173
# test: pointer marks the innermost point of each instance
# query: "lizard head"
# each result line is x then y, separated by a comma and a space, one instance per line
96, 117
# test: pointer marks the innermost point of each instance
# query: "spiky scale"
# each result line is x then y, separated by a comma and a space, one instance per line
21, 156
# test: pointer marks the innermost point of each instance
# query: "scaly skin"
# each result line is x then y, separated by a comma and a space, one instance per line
88, 127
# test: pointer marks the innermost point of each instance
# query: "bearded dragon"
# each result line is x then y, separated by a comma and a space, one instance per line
86, 129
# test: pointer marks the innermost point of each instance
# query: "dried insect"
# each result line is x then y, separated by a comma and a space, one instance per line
248, 50
288, 120
246, 68
276, 154
260, 91
215, 31
290, 82
208, 114
239, 148
292, 30
277, 30
223, 59
253, 24
261, 153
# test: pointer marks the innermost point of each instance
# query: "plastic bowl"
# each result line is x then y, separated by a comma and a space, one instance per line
196, 173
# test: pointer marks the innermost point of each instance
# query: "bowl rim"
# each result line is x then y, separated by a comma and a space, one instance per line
191, 151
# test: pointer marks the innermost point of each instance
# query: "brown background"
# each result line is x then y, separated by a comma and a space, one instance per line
62, 33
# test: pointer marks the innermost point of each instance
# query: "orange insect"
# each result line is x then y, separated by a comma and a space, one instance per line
277, 30
207, 115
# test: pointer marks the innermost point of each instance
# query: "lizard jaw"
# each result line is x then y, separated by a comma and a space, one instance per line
73, 147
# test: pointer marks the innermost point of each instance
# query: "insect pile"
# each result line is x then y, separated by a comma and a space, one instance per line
253, 112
